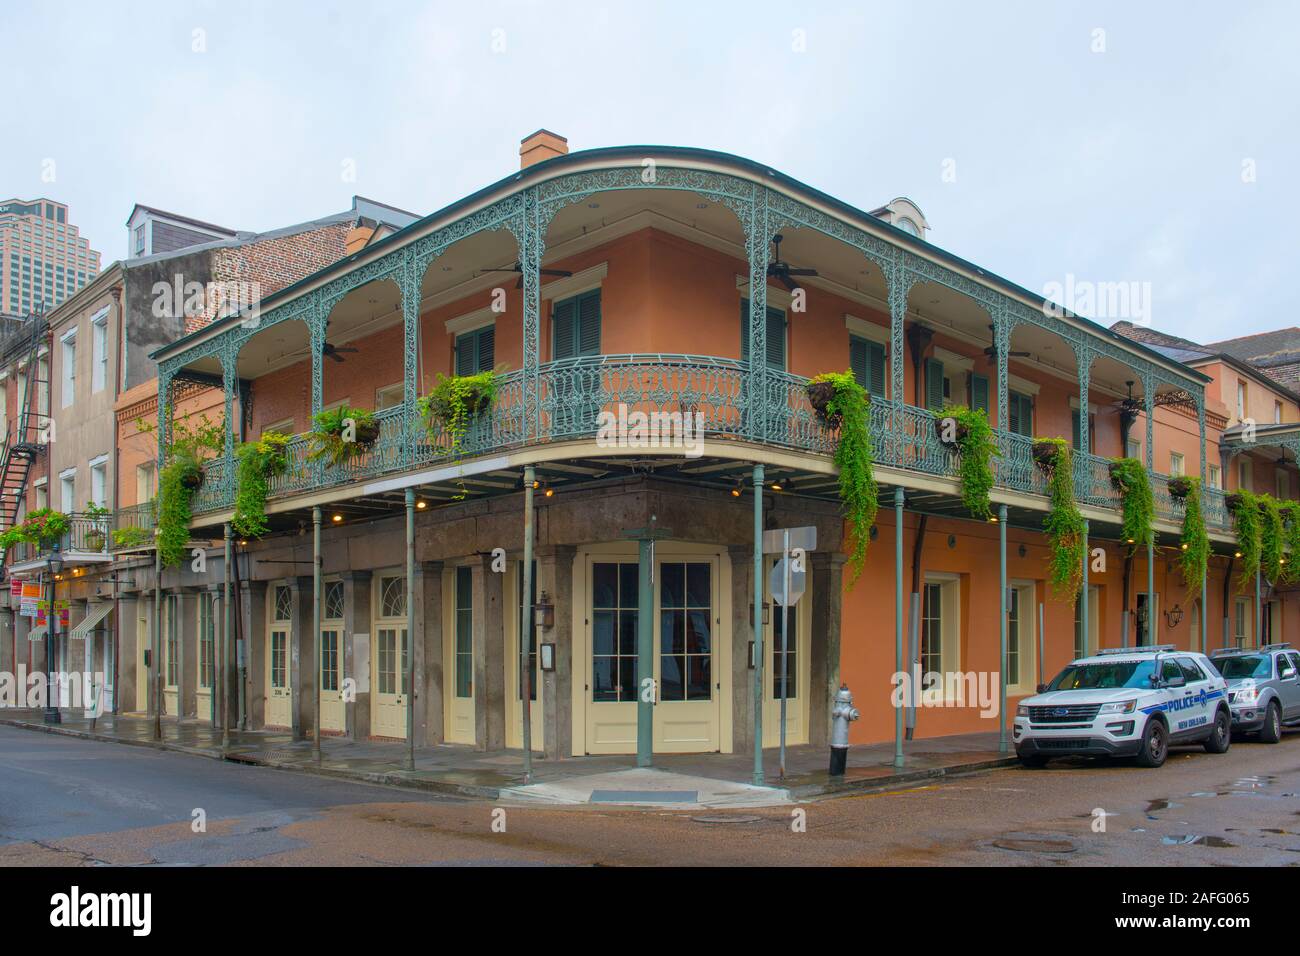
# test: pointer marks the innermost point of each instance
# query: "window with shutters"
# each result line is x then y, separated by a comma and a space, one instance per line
934, 385
1020, 414
475, 351
1076, 439
776, 331
867, 360
575, 326
979, 392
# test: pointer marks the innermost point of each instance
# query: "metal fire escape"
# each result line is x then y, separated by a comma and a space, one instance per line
25, 439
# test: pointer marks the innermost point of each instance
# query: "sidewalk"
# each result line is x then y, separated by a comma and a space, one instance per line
695, 780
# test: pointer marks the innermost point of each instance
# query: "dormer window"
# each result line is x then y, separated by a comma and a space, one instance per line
909, 227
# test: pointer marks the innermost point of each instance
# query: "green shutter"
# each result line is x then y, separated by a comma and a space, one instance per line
588, 331
1020, 411
876, 366
562, 314
979, 392
1076, 437
465, 354
476, 351
933, 385
775, 336
858, 361
1013, 413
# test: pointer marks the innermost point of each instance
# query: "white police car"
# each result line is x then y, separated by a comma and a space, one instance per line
1126, 702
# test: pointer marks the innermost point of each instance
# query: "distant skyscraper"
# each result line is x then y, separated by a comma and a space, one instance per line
43, 258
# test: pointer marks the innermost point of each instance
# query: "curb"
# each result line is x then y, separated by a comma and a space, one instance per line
399, 778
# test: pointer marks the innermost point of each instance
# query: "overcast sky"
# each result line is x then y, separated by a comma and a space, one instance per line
1136, 142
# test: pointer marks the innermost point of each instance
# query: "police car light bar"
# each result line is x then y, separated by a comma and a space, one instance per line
1150, 649
1276, 647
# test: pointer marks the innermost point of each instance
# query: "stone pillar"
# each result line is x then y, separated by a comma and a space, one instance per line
357, 665
742, 634
302, 660
555, 574
824, 664
427, 646
8, 658
489, 657
187, 640
126, 627
252, 613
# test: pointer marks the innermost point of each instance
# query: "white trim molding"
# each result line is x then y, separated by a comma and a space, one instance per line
871, 331
471, 321
579, 282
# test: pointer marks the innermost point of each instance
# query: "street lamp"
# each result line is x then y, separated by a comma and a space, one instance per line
53, 564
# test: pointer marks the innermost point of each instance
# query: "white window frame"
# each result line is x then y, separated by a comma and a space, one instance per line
99, 466
1245, 475
42, 493
1177, 464
398, 388
284, 426
99, 351
1027, 651
1242, 399
1277, 412
148, 474
68, 490
1214, 476
950, 631
68, 368
1243, 621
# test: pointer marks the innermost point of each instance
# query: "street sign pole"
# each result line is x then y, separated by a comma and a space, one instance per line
785, 637
786, 588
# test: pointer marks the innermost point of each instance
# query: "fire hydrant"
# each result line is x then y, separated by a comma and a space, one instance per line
842, 712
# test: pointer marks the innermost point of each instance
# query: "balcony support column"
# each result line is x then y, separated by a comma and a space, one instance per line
1001, 347
227, 629
229, 382
898, 285
410, 628
412, 280
530, 236
1002, 629
758, 620
1082, 471
1200, 426
758, 239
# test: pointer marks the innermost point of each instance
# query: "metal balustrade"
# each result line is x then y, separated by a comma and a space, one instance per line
576, 396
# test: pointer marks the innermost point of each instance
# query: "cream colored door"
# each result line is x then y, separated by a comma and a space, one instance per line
333, 716
690, 673
389, 652
171, 654
279, 693
143, 676
797, 678
515, 725
207, 659
458, 693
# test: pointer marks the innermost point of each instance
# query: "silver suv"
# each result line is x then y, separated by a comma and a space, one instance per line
1263, 688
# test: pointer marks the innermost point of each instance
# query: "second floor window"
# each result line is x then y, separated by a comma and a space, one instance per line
99, 355
575, 326
1277, 413
476, 351
1241, 399
867, 359
1020, 414
1214, 476
69, 376
1175, 464
1076, 435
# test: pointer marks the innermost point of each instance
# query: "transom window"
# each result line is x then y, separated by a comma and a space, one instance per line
464, 632
334, 600
392, 601
283, 603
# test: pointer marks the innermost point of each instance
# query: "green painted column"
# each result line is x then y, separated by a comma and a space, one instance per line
228, 627
1151, 590
409, 666
1259, 614
1002, 630
1084, 602
758, 625
898, 620
526, 628
315, 627
647, 692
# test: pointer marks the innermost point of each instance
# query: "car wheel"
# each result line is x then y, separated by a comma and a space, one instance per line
1271, 732
1220, 738
1032, 761
1155, 744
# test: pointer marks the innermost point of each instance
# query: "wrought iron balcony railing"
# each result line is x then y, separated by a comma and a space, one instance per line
87, 535
572, 394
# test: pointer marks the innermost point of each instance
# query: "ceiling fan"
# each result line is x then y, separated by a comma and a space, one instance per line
782, 271
992, 353
1129, 407
332, 351
562, 273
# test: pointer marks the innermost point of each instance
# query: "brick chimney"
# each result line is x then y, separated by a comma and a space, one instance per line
540, 146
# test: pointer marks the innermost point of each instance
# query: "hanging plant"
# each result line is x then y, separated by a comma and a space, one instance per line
259, 461
976, 449
1130, 476
821, 394
131, 536
1044, 451
859, 494
455, 401
341, 434
1063, 524
42, 528
193, 441
1246, 516
1181, 486
1195, 544
1271, 559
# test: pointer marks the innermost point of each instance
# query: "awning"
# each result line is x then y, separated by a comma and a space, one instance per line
93, 616
37, 633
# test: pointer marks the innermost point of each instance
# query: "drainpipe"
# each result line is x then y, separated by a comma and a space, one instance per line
1002, 600
228, 613
155, 639
525, 628
1128, 573
914, 606
1227, 586
898, 619
315, 627
410, 628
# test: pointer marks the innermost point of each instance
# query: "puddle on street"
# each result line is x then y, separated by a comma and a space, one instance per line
1194, 839
1034, 845
719, 818
1155, 806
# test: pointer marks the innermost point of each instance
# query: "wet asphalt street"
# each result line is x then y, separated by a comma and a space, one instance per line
68, 802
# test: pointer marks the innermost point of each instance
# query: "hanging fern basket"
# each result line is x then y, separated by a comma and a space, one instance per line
1180, 487
950, 437
820, 396
1044, 454
1234, 501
